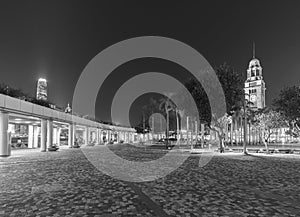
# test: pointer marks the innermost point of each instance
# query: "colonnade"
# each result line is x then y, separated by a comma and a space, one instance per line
47, 134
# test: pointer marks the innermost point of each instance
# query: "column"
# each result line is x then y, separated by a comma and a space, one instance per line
187, 129
4, 137
55, 135
231, 132
86, 135
58, 136
104, 133
100, 136
118, 136
196, 131
43, 135
73, 133
202, 135
30, 136
49, 133
70, 136
97, 136
108, 136
35, 136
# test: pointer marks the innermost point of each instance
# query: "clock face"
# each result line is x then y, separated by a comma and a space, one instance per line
253, 98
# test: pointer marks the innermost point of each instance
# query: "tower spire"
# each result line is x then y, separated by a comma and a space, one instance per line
253, 50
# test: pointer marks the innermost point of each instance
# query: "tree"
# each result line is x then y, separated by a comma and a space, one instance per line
219, 125
248, 114
18, 93
13, 92
179, 115
166, 105
232, 84
288, 104
268, 120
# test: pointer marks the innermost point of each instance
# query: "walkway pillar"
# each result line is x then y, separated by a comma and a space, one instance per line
202, 135
73, 133
54, 135
58, 136
97, 136
108, 136
119, 137
70, 136
43, 135
30, 136
35, 136
49, 133
127, 137
4, 137
100, 136
86, 135
187, 129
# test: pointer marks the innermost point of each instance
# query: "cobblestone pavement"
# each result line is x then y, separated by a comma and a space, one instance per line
64, 183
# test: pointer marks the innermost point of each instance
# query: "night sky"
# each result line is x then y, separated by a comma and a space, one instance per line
56, 39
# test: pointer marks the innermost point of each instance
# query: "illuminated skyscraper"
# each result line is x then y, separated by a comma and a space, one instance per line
41, 89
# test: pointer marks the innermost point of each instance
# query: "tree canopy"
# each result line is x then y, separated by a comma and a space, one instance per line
288, 104
232, 84
268, 120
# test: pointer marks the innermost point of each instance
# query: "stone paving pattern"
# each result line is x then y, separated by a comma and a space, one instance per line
64, 183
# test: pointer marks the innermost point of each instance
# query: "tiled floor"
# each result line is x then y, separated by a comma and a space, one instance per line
65, 183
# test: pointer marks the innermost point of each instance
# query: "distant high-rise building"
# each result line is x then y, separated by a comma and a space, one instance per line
41, 89
254, 85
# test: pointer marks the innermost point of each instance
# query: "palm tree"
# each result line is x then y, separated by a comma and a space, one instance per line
251, 121
177, 122
247, 114
180, 113
166, 105
236, 116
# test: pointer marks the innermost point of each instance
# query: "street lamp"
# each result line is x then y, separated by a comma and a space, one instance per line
245, 124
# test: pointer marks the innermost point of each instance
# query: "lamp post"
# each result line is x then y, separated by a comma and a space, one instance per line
245, 125
245, 129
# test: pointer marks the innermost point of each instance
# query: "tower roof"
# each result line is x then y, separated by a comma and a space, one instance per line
254, 63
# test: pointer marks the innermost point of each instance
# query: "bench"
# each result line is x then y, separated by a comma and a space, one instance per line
286, 151
53, 148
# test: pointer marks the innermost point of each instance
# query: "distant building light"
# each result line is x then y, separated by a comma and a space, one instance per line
41, 89
42, 80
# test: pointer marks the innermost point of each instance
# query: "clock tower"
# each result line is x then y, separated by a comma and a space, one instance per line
254, 85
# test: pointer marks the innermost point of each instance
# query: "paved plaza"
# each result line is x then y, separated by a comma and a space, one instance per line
65, 183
